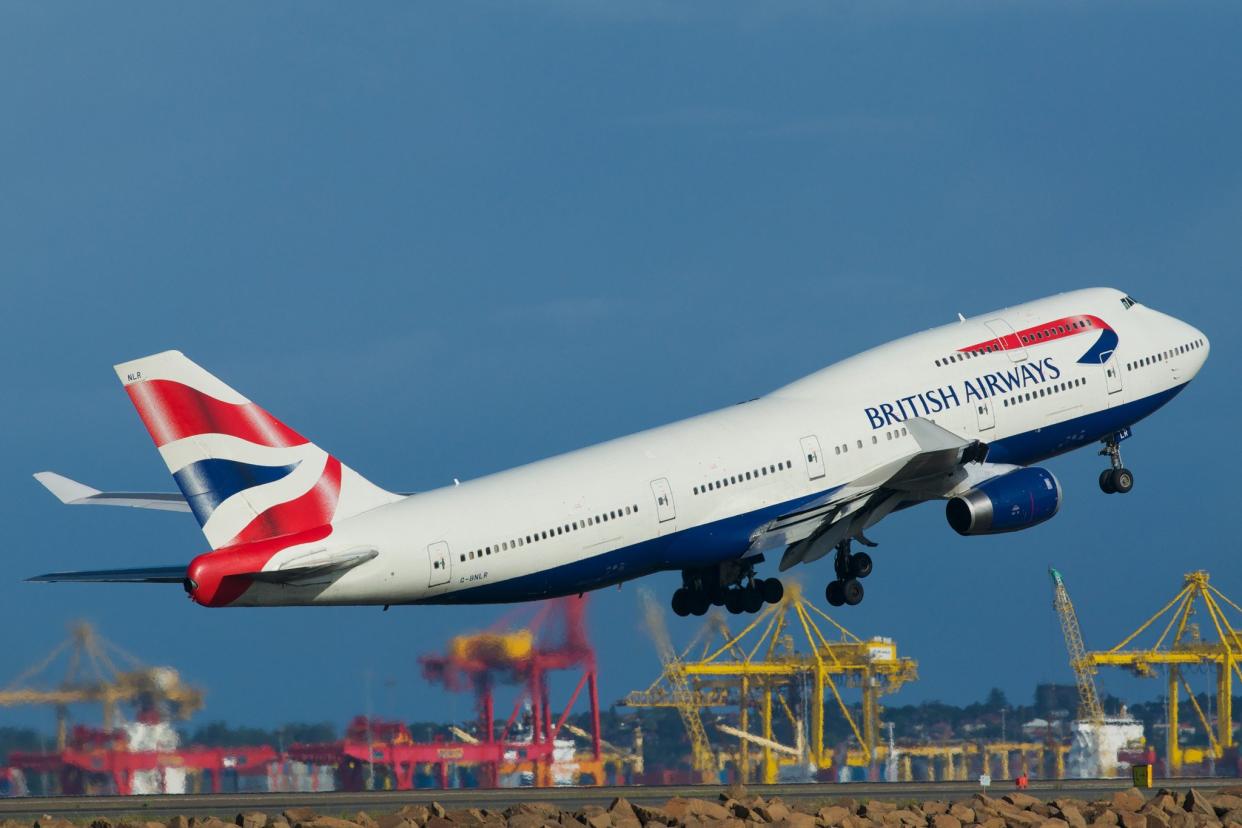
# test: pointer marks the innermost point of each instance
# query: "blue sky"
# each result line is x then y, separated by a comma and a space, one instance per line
444, 239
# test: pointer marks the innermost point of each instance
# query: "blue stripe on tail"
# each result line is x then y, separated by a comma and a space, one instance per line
208, 483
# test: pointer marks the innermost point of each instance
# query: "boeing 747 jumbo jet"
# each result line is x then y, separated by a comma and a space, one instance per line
959, 413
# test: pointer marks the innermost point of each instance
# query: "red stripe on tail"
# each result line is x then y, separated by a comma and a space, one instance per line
171, 411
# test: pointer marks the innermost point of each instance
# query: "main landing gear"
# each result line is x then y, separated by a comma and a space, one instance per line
732, 586
851, 567
1116, 479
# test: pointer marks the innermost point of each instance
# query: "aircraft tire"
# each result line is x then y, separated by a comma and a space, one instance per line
733, 601
860, 565
852, 591
1123, 481
752, 600
834, 594
699, 603
773, 590
1106, 482
681, 602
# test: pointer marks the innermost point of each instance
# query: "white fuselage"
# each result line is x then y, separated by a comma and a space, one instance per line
724, 474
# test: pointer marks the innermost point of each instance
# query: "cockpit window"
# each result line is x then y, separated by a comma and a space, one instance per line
1127, 302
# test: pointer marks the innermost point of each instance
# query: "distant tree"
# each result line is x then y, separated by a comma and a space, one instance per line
996, 699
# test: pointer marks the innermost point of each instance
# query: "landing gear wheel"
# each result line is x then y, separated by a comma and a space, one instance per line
699, 603
773, 590
1106, 482
860, 565
834, 594
1116, 479
681, 602
733, 601
852, 591
752, 600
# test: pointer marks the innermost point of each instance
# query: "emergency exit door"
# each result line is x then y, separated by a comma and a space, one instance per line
441, 564
663, 495
987, 414
813, 456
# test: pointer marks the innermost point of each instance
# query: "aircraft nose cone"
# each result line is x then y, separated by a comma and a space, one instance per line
1200, 347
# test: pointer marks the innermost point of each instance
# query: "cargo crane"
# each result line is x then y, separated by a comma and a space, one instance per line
673, 690
92, 677
1089, 707
782, 656
1180, 645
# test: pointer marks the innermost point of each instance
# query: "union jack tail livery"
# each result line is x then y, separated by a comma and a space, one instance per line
246, 475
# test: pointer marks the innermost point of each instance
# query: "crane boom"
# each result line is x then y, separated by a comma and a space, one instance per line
1089, 706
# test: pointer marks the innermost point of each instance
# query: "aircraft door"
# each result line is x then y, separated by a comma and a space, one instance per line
441, 563
663, 495
987, 414
1008, 339
814, 457
1112, 374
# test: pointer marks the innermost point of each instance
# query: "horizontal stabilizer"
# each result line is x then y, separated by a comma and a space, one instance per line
141, 575
79, 494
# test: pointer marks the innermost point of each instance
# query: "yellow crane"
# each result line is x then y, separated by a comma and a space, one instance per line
673, 690
1180, 644
1089, 707
91, 676
780, 655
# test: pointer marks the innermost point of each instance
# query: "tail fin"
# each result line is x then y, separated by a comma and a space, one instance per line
246, 475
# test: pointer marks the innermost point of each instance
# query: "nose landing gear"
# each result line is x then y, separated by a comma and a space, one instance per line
847, 589
1116, 479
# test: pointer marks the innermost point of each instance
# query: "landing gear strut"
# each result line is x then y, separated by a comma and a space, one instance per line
732, 585
850, 566
1116, 479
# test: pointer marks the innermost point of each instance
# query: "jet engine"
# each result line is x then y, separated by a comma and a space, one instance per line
1018, 500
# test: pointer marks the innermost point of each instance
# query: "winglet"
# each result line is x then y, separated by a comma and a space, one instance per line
66, 490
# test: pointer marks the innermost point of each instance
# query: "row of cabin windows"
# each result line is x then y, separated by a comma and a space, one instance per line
991, 347
844, 448
1027, 339
1046, 391
734, 479
544, 534
1053, 330
1163, 355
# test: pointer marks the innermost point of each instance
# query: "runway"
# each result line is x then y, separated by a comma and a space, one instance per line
227, 805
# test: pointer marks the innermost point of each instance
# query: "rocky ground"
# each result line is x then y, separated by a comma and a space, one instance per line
1127, 809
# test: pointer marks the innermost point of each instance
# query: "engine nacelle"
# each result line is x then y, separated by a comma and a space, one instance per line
1018, 500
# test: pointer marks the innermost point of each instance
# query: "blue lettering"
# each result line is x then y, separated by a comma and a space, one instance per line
889, 414
1056, 372
993, 384
1028, 374
971, 393
952, 393
874, 416
1012, 379
934, 397
1039, 369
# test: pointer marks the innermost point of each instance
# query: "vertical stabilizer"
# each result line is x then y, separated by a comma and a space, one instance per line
246, 475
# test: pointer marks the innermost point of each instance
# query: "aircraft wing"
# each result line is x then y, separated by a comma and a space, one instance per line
79, 494
939, 465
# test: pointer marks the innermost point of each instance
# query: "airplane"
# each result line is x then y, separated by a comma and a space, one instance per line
960, 413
